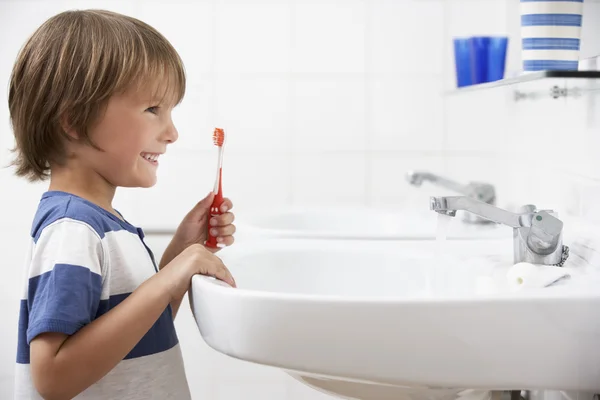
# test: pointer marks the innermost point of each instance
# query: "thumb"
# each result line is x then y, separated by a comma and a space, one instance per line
203, 206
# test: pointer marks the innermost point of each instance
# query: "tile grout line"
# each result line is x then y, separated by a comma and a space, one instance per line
445, 79
292, 110
368, 122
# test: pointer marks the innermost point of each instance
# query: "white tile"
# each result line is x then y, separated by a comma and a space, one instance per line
538, 122
406, 36
406, 114
388, 186
329, 179
329, 115
477, 121
6, 139
18, 20
194, 117
590, 198
237, 391
476, 17
256, 179
253, 36
329, 36
123, 7
485, 168
188, 25
255, 113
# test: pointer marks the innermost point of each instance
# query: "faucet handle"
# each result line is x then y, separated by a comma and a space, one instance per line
544, 233
527, 209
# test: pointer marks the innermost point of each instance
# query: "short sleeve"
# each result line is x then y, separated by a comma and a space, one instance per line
65, 278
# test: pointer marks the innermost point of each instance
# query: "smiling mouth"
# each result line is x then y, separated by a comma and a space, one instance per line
151, 157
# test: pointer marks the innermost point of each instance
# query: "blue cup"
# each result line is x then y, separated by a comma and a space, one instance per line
462, 62
488, 58
479, 59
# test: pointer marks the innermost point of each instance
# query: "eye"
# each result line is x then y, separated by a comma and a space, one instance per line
153, 110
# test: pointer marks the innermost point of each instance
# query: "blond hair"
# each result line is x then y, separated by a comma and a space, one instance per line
67, 71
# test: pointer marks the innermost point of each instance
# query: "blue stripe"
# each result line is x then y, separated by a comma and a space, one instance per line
550, 44
550, 65
55, 205
551, 1
551, 20
161, 336
62, 300
22, 346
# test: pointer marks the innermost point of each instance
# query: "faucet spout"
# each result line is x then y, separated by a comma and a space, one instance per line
450, 204
478, 190
537, 234
417, 178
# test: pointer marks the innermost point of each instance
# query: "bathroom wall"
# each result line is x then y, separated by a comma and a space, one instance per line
325, 103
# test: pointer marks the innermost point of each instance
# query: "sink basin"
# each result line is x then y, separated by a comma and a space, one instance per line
358, 223
369, 320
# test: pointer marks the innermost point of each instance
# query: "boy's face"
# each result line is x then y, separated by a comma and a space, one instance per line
134, 130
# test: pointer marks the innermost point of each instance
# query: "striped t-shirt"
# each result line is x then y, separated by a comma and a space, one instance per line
84, 261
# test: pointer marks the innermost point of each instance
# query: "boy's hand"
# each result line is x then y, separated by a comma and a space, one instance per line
195, 259
194, 228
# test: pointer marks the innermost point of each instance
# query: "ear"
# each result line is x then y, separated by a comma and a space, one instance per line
66, 127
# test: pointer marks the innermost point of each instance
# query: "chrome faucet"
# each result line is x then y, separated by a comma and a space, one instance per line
479, 190
537, 234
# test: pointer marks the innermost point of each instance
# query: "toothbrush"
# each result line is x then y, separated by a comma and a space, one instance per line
215, 208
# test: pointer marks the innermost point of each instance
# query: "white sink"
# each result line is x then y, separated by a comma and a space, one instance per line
357, 223
375, 320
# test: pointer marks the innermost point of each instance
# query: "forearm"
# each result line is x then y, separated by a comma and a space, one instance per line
170, 253
88, 355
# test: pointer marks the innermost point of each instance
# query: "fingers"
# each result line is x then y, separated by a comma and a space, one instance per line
226, 205
227, 230
223, 229
222, 220
226, 240
211, 264
221, 272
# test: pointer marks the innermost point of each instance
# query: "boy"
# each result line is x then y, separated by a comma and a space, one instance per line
90, 102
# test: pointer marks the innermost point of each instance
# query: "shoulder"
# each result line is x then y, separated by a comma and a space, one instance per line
60, 211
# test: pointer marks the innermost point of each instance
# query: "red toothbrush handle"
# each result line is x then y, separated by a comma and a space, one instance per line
215, 209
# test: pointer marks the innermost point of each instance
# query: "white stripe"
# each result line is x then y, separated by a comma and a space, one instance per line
558, 55
67, 241
129, 263
563, 32
551, 7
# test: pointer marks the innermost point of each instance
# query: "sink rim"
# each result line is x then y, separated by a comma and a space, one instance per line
550, 294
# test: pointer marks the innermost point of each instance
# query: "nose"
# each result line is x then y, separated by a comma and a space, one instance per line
170, 134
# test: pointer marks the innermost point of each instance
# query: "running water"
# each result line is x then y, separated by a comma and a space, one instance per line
435, 283
441, 235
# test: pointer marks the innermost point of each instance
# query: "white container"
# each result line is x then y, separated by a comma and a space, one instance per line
551, 34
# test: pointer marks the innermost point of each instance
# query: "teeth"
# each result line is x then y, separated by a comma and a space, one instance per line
150, 157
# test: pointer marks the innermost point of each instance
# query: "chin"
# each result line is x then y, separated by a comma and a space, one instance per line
145, 183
